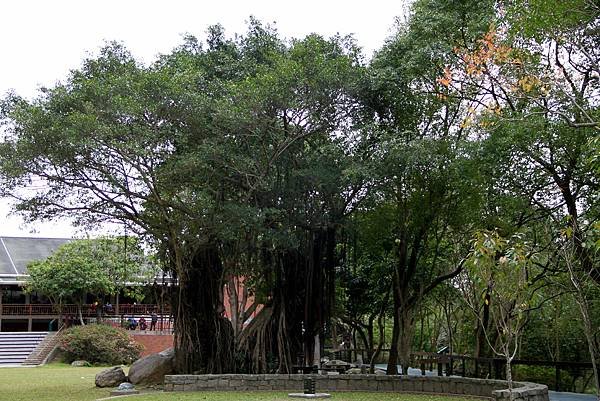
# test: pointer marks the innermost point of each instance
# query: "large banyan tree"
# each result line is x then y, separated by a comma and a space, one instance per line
224, 152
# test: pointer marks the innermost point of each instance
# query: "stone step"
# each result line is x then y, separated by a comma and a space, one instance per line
11, 337
20, 349
13, 357
21, 357
15, 350
20, 344
22, 333
15, 347
7, 339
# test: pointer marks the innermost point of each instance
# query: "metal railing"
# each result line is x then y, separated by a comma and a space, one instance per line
87, 310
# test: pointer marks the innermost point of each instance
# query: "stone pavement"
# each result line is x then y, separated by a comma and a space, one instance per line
553, 395
562, 396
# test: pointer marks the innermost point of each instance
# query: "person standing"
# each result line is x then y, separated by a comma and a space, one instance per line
153, 320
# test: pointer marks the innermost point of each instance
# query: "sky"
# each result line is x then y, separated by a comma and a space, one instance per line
41, 41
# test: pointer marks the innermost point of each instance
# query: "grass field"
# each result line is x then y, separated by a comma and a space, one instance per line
49, 383
57, 382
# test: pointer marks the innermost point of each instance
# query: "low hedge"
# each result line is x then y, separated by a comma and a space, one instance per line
99, 344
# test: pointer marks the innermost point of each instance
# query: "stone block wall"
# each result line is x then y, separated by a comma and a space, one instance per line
374, 383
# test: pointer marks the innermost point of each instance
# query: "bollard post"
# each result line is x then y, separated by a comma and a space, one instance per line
309, 385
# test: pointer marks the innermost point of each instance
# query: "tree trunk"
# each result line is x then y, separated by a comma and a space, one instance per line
481, 344
588, 327
392, 367
509, 377
232, 292
375, 354
449, 326
275, 334
79, 310
203, 336
407, 326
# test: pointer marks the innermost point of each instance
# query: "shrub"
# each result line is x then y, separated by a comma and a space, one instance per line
99, 344
543, 375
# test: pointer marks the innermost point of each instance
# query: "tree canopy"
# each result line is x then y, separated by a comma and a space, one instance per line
305, 172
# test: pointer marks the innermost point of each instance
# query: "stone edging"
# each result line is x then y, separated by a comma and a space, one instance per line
522, 391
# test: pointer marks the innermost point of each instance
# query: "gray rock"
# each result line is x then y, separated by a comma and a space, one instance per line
125, 386
152, 369
336, 363
80, 363
363, 370
110, 377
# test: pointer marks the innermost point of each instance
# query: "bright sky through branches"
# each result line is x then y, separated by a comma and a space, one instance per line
42, 40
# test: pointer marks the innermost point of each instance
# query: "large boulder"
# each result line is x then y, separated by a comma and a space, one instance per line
152, 369
110, 377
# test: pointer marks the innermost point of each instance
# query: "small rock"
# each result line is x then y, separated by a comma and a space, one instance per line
110, 377
336, 363
363, 370
125, 386
80, 363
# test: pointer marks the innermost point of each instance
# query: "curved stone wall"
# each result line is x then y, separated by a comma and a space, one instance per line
419, 384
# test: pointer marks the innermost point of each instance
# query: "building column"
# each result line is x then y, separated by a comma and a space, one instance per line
29, 324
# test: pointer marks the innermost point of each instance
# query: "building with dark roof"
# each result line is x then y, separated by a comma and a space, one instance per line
17, 252
18, 309
21, 311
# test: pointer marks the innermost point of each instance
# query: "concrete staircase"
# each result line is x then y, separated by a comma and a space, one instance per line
44, 350
17, 346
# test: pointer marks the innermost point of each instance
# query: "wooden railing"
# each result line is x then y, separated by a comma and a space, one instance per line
462, 365
87, 310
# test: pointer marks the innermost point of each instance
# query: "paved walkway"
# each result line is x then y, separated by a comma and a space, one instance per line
553, 395
562, 396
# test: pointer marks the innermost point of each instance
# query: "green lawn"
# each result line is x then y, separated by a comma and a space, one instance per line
57, 382
49, 383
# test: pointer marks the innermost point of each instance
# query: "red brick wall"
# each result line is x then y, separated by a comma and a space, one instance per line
153, 343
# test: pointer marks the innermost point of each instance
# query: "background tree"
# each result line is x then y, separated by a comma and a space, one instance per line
81, 267
585, 290
500, 269
426, 157
535, 77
